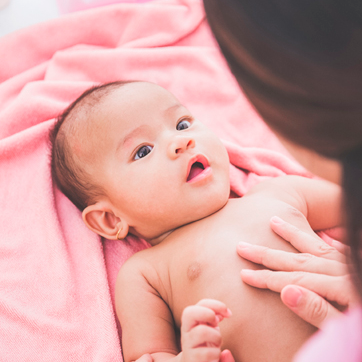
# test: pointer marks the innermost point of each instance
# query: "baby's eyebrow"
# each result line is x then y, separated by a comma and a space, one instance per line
173, 108
144, 128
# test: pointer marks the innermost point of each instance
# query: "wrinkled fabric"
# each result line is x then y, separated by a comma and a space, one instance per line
57, 278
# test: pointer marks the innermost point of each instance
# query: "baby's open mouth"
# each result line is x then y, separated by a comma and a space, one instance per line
196, 169
197, 165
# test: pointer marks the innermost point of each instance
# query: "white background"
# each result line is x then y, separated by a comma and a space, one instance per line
21, 13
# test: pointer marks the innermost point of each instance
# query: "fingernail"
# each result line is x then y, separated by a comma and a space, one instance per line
247, 272
277, 220
244, 245
292, 296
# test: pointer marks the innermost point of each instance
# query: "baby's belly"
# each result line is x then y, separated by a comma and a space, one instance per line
207, 266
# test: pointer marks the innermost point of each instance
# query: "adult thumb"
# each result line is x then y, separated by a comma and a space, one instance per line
308, 305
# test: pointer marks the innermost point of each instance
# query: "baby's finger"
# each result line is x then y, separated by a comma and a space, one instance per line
201, 336
218, 307
287, 261
226, 356
308, 305
333, 288
204, 354
145, 358
195, 314
304, 242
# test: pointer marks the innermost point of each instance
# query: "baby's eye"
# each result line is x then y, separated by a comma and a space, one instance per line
143, 152
184, 124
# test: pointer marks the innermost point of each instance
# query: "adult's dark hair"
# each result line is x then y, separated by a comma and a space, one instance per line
67, 172
300, 65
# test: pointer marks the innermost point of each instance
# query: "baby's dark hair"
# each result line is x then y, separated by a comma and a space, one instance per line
67, 172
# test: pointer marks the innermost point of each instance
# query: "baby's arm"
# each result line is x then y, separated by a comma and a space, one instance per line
148, 326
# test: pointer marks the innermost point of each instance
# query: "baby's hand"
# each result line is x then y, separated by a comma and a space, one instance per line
200, 333
145, 358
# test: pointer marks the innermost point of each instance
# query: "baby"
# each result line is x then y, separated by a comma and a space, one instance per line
135, 160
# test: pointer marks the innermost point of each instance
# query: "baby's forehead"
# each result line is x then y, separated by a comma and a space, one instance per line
126, 104
137, 99
144, 93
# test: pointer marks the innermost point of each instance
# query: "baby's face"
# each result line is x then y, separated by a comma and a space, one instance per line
160, 167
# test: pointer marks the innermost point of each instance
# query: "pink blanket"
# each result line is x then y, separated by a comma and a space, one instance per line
57, 277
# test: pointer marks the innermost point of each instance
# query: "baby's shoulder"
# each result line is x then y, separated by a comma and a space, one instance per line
281, 196
288, 188
280, 183
135, 265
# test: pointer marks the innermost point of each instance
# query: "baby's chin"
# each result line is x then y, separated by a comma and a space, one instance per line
196, 212
220, 202
211, 205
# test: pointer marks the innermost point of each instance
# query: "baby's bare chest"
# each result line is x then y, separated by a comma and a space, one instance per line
200, 260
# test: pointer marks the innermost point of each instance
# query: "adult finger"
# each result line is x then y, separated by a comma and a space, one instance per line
337, 233
308, 305
288, 261
304, 242
333, 288
342, 248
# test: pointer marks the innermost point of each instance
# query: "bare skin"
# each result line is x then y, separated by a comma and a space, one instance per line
307, 288
199, 261
144, 150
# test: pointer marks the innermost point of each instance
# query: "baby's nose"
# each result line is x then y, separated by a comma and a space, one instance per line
180, 144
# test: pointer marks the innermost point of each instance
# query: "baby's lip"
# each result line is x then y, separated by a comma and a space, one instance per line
197, 158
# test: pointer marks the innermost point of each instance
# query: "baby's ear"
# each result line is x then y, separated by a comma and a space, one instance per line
104, 222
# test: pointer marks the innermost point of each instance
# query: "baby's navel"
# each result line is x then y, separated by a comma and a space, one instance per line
194, 270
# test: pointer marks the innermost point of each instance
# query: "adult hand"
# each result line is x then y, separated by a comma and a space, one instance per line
308, 281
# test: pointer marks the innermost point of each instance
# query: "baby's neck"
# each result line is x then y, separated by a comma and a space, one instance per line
159, 239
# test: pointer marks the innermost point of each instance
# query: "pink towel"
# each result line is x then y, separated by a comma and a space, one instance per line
56, 276
68, 6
